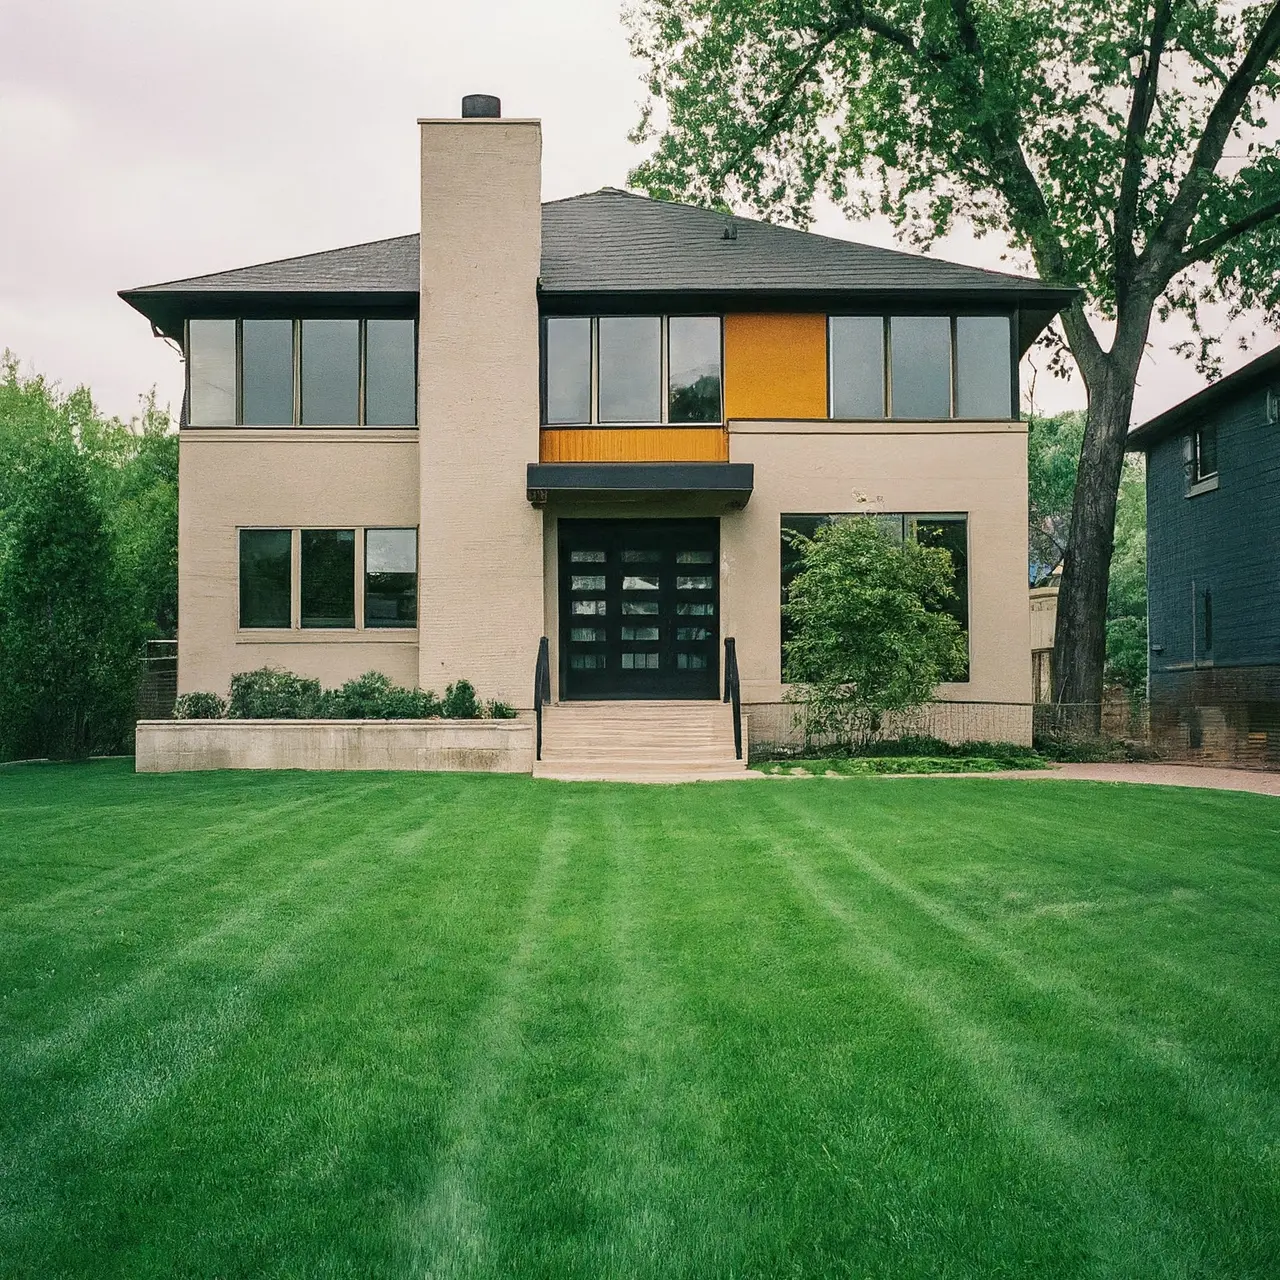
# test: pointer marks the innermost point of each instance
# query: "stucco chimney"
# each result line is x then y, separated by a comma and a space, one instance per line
481, 573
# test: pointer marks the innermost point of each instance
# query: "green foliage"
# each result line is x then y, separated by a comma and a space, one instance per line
70, 627
460, 702
1011, 118
863, 766
272, 694
133, 471
373, 696
199, 706
1010, 755
870, 634
1127, 653
1053, 456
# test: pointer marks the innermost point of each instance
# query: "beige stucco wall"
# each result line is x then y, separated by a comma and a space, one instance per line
979, 469
481, 583
473, 746
290, 477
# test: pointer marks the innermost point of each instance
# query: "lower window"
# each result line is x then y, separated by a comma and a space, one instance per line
391, 578
266, 577
329, 578
949, 531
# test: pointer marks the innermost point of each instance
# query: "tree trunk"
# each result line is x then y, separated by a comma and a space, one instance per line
1080, 640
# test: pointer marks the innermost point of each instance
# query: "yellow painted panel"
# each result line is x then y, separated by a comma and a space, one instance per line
634, 444
775, 366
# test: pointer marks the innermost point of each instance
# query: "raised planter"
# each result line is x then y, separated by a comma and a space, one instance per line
452, 746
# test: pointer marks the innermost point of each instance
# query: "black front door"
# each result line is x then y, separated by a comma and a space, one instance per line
639, 608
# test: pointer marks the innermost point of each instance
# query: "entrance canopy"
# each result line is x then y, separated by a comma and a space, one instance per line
725, 484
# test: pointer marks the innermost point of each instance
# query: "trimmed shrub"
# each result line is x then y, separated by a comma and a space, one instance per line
496, 710
372, 696
460, 702
199, 706
272, 694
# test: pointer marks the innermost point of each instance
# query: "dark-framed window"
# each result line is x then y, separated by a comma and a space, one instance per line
321, 371
925, 366
391, 578
942, 529
632, 370
1205, 452
328, 578
266, 578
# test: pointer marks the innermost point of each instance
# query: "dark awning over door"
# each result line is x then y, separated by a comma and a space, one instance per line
727, 482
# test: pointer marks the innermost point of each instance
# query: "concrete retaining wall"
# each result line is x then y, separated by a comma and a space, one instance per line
453, 746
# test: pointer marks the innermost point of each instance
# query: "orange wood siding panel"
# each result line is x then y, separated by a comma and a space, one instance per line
634, 444
775, 366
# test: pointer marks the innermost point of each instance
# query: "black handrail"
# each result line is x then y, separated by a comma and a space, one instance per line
733, 691
541, 686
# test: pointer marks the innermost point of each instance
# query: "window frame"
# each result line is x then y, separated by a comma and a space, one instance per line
1198, 475
295, 630
594, 422
363, 575
906, 520
362, 341
886, 317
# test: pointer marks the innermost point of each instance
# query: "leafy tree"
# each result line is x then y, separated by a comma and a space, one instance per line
870, 633
1053, 455
133, 468
1093, 134
70, 631
1053, 452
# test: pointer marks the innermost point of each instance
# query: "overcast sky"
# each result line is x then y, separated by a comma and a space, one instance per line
146, 140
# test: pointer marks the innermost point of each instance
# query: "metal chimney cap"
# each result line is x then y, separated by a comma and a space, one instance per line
481, 106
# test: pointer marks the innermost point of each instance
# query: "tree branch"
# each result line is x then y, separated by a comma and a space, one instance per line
1165, 251
1145, 90
1204, 249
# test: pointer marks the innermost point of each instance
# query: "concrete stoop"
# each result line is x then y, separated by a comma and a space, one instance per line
640, 741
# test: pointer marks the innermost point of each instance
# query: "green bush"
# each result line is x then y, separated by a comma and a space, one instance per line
372, 696
199, 706
916, 746
460, 702
272, 694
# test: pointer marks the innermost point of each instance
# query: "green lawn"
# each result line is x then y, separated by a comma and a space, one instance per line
394, 1025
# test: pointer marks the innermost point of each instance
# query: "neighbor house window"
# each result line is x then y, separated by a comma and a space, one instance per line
266, 577
328, 578
631, 370
693, 369
266, 373
855, 346
1205, 461
922, 367
950, 531
391, 373
391, 578
330, 372
211, 372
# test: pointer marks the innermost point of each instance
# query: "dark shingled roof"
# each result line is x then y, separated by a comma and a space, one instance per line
1244, 380
614, 242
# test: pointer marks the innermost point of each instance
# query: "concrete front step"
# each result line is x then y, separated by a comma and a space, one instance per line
667, 741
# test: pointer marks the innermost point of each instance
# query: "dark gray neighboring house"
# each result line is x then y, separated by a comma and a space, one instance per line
1213, 551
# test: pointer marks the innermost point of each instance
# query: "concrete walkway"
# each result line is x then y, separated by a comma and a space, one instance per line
1163, 775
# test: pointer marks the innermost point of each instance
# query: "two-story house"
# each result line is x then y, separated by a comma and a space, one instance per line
1213, 544
591, 419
